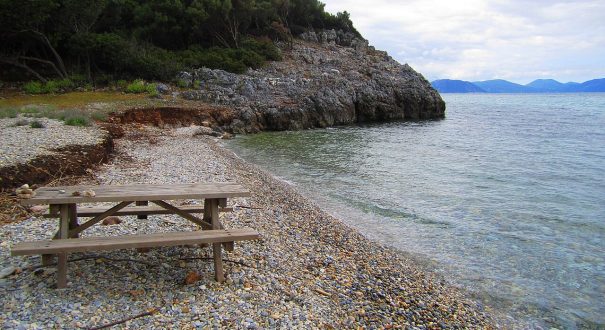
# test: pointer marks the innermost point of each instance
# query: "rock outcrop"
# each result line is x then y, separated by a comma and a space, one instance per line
333, 79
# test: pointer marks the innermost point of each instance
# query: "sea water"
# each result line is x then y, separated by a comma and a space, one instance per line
505, 196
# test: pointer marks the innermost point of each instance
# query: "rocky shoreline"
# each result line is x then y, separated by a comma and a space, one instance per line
309, 271
328, 80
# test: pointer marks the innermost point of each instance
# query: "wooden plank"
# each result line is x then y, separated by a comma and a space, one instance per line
139, 192
99, 217
89, 211
183, 214
133, 241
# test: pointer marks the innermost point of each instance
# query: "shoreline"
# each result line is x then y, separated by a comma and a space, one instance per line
310, 269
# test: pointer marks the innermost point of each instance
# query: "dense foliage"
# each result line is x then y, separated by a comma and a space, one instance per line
103, 40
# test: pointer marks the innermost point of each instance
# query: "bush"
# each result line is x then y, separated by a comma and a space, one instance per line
34, 87
99, 116
77, 121
263, 47
8, 113
136, 87
30, 111
51, 86
36, 124
22, 122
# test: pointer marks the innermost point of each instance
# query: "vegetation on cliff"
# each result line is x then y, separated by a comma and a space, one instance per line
103, 40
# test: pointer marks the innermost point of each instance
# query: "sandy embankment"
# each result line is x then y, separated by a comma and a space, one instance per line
309, 271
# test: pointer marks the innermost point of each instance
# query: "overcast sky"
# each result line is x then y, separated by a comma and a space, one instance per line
478, 40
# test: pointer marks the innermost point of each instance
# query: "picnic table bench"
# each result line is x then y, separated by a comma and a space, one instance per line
63, 204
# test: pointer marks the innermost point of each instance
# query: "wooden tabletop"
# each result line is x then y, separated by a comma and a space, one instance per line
136, 192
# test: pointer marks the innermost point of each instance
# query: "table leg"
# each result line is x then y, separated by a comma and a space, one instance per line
216, 247
47, 259
228, 246
73, 219
63, 234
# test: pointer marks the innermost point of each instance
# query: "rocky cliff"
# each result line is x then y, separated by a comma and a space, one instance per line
329, 78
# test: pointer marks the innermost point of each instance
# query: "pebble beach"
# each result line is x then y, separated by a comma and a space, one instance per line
309, 270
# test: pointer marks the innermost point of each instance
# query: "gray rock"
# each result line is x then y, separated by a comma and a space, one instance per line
8, 271
185, 78
163, 89
341, 82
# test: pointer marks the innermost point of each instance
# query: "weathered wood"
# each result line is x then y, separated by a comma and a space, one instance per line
73, 219
47, 259
61, 269
139, 192
54, 209
217, 247
99, 217
132, 241
229, 246
142, 203
90, 211
64, 222
183, 214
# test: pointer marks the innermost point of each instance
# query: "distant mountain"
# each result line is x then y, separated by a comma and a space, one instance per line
547, 85
456, 86
503, 86
595, 85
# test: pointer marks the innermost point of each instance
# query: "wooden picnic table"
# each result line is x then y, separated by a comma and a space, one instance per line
64, 201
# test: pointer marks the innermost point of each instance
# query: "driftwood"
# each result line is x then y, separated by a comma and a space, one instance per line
108, 325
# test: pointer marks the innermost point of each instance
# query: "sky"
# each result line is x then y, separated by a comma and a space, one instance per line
475, 40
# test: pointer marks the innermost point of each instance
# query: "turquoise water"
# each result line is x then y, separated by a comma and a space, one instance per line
505, 197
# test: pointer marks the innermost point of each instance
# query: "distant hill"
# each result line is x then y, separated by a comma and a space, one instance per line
595, 85
456, 86
504, 86
549, 85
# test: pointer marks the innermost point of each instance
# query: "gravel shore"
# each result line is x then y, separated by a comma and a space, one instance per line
21, 143
308, 271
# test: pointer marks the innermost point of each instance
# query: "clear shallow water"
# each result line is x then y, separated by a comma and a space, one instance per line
506, 195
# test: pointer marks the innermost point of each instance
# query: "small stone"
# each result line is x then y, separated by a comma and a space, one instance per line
192, 277
110, 221
38, 209
8, 271
89, 193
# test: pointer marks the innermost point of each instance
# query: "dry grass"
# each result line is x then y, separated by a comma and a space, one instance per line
69, 100
10, 209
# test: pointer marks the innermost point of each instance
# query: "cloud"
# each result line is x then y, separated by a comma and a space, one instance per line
478, 40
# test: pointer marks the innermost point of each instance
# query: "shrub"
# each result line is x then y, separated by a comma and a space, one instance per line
99, 116
30, 111
77, 121
34, 87
151, 88
36, 124
122, 83
8, 113
64, 84
181, 83
136, 87
263, 47
22, 122
51, 86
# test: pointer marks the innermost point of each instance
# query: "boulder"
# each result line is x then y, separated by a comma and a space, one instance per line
162, 89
